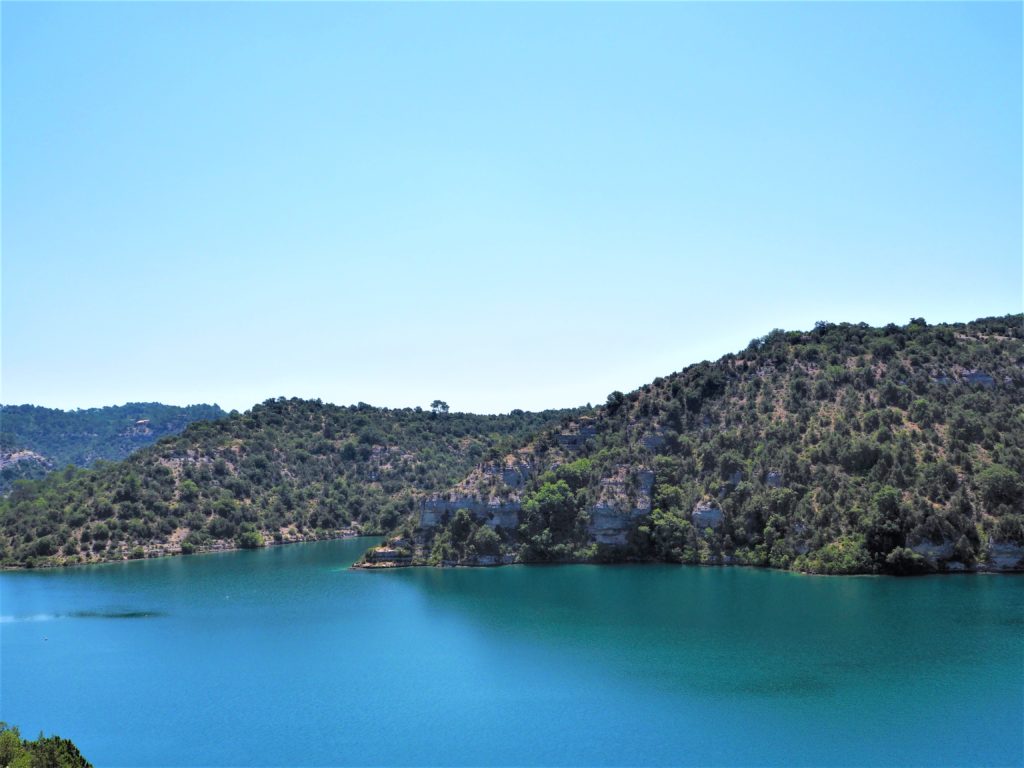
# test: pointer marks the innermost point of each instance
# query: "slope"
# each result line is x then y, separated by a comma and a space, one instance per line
285, 470
36, 440
845, 449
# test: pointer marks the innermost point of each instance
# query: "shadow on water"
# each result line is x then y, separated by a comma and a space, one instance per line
788, 686
115, 614
732, 631
84, 615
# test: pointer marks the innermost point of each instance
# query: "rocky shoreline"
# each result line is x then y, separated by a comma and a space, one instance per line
1005, 558
127, 553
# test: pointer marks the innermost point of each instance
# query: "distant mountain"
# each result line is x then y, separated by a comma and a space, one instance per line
844, 449
36, 440
286, 470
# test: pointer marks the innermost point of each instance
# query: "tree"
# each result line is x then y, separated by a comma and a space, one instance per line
884, 524
249, 540
1000, 485
552, 506
439, 406
905, 562
44, 752
486, 541
462, 527
615, 401
576, 473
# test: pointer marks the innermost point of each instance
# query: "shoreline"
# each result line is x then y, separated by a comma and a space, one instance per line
221, 546
218, 547
390, 566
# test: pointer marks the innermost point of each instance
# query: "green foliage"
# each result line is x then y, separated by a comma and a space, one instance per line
485, 541
83, 437
249, 540
838, 450
615, 401
295, 464
905, 562
673, 537
576, 474
1000, 485
846, 555
44, 752
551, 526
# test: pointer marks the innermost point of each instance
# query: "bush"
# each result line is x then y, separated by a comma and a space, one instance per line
847, 555
249, 540
1000, 485
906, 562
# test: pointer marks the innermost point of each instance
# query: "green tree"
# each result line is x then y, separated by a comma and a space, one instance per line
552, 506
1000, 485
615, 401
486, 541
249, 540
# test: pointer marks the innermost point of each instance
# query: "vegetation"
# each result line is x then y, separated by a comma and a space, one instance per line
44, 752
846, 449
286, 470
35, 440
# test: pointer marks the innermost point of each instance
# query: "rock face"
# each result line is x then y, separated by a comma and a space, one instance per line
624, 497
653, 441
1005, 556
493, 513
1002, 556
491, 494
707, 514
577, 436
12, 458
933, 552
979, 377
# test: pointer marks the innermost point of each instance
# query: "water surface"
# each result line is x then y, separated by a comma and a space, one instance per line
283, 656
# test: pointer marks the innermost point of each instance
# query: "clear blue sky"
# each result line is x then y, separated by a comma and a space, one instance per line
511, 205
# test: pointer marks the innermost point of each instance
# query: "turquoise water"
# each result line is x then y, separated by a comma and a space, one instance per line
283, 656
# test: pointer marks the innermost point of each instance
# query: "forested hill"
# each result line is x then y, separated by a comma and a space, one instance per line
36, 440
286, 470
844, 449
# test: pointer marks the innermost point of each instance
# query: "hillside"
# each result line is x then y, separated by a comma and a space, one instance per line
286, 470
845, 449
36, 440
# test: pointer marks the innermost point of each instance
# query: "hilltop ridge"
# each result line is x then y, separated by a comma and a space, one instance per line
286, 470
842, 449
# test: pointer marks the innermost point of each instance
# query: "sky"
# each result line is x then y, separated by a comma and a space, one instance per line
499, 205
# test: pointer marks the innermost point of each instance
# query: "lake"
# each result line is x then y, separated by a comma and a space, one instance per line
283, 656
